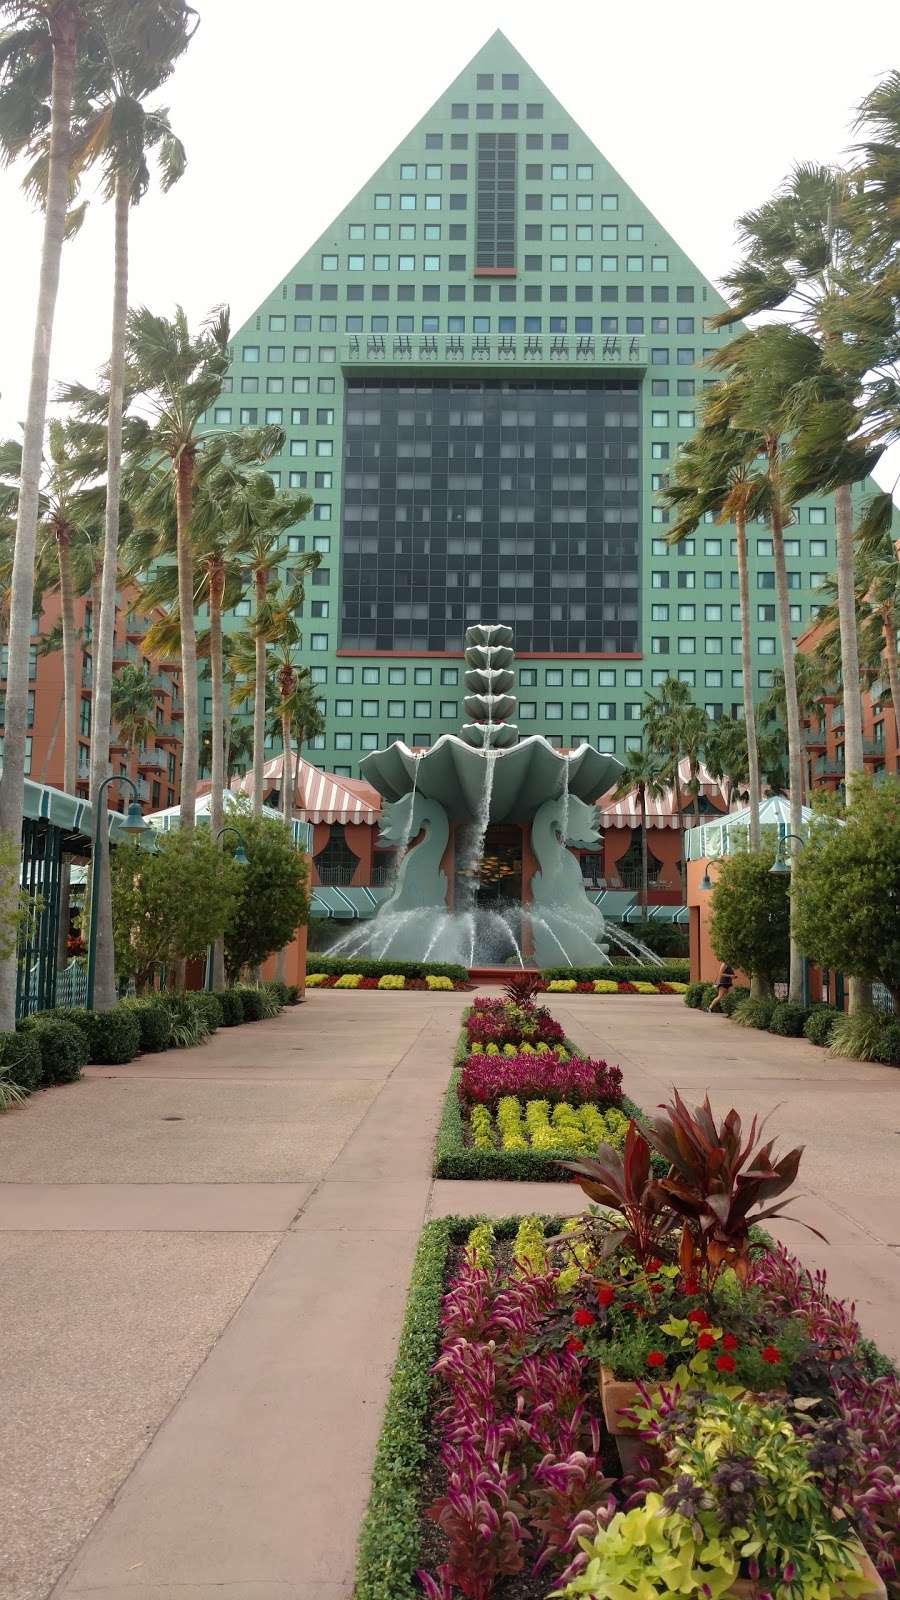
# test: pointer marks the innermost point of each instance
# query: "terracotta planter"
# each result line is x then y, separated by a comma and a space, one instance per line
876, 1590
617, 1395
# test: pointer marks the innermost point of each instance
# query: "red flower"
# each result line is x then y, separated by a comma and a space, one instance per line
574, 1345
771, 1354
699, 1317
729, 1342
705, 1341
655, 1358
606, 1294
657, 1288
654, 1264
583, 1318
724, 1363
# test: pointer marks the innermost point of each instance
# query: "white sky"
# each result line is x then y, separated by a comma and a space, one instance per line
286, 107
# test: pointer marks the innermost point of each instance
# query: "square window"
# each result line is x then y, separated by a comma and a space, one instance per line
250, 352
449, 675
609, 202
818, 515
432, 263
584, 172
584, 263
527, 677
659, 263
584, 202
329, 263
382, 202
685, 419
609, 263
222, 415
526, 710
634, 263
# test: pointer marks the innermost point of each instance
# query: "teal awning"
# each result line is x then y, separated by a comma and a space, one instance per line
327, 900
43, 803
612, 902
655, 914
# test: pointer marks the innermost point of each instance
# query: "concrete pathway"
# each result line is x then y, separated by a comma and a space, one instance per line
207, 1253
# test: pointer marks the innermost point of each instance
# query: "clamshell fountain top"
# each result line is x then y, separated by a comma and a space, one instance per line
526, 772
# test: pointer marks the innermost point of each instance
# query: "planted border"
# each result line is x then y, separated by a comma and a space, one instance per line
455, 1159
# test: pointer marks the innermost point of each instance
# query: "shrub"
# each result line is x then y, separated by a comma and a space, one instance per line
115, 1035
62, 1045
279, 987
675, 971
349, 980
437, 981
889, 1044
251, 1002
788, 1020
154, 1021
231, 1008
189, 1022
272, 898
333, 966
732, 999
21, 1062
750, 910
271, 999
819, 1025
485, 1079
692, 995
208, 1006
292, 994
755, 1011
392, 980
858, 1037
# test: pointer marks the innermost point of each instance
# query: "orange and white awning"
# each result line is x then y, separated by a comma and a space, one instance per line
661, 810
320, 796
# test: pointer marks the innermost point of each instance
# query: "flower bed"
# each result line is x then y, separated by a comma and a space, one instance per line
612, 986
513, 1110
335, 966
432, 981
496, 1477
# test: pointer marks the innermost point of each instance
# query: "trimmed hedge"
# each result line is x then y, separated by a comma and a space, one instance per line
732, 999
889, 1044
677, 971
377, 969
63, 1047
819, 1025
208, 1007
251, 1002
20, 1055
154, 1020
115, 1036
231, 1007
788, 1020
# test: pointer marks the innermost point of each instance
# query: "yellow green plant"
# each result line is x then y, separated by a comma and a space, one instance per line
392, 980
314, 979
480, 1245
562, 985
529, 1247
437, 981
482, 1128
349, 980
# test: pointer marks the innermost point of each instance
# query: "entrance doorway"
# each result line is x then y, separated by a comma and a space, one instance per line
500, 878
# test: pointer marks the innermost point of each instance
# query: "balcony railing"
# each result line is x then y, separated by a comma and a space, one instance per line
630, 878
581, 350
336, 874
152, 761
837, 717
382, 874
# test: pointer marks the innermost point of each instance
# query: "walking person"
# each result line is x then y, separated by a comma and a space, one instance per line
723, 983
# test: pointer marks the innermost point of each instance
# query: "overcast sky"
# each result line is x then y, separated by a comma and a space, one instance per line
286, 108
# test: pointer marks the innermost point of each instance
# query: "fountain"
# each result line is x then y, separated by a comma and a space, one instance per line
488, 795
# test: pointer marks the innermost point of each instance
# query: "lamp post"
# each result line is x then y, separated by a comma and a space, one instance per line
134, 823
240, 859
781, 868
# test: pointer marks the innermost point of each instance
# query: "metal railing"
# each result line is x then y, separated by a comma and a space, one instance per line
457, 349
631, 879
335, 874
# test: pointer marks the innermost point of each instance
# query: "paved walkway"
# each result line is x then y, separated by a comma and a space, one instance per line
207, 1253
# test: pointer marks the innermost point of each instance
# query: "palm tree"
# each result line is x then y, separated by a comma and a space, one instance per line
800, 259
39, 60
133, 705
677, 728
643, 771
727, 758
712, 477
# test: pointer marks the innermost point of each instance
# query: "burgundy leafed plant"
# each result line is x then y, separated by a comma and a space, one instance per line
485, 1079
624, 1183
714, 1183
522, 987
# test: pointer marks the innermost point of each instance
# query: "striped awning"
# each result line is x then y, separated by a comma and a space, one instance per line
41, 802
320, 796
661, 811
327, 900
638, 913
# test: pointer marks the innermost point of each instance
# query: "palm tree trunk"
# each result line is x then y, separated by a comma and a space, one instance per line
642, 801
190, 753
676, 781
740, 524
105, 619
889, 630
259, 696
64, 30
217, 741
792, 708
287, 809
71, 696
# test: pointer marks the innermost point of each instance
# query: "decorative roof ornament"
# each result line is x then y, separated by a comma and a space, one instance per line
489, 657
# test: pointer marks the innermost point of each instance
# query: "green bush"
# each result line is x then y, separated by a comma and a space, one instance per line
674, 971
788, 1020
858, 1037
755, 1011
692, 995
190, 1025
114, 1035
819, 1025
20, 1059
207, 1005
732, 999
231, 1008
407, 969
271, 999
63, 1047
889, 1044
292, 994
279, 987
154, 1021
251, 1002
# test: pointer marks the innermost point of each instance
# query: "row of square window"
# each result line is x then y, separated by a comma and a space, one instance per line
531, 263
554, 678
505, 324
482, 293
460, 141
526, 711
606, 232
433, 171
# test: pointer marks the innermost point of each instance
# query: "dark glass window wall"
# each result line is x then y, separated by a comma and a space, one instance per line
491, 501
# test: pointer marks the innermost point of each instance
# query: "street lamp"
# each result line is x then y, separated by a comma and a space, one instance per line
240, 859
706, 881
781, 866
134, 823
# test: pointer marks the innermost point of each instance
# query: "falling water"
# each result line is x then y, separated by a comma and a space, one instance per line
564, 813
403, 847
633, 946
543, 923
469, 868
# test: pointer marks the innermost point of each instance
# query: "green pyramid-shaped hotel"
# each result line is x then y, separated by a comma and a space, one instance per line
484, 368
